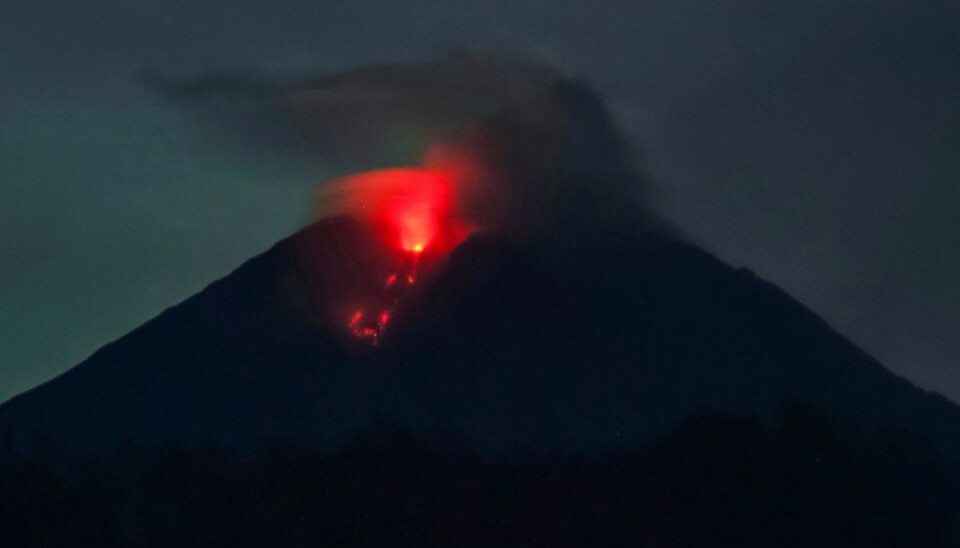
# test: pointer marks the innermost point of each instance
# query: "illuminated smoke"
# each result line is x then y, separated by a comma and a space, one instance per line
487, 148
413, 212
413, 209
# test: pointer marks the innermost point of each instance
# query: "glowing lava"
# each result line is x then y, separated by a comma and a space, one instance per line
413, 211
412, 208
370, 327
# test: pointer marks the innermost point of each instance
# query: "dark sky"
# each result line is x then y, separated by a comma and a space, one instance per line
817, 143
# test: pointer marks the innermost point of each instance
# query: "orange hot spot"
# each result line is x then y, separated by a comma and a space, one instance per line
418, 223
418, 207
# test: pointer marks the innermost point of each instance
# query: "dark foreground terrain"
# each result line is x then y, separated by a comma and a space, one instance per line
805, 480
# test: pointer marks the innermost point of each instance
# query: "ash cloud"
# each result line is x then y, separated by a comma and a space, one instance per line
239, 106
547, 141
228, 84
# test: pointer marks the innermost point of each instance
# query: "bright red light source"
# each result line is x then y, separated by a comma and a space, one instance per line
417, 212
413, 208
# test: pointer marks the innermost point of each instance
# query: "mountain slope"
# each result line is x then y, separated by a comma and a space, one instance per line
586, 341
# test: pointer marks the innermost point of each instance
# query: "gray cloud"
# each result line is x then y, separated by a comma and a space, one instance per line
235, 84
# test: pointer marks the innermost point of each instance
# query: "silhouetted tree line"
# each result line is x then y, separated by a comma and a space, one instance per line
801, 480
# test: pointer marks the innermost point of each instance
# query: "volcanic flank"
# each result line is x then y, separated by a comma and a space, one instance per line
505, 282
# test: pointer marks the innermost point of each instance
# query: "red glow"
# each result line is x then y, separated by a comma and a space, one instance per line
417, 212
357, 317
365, 329
414, 208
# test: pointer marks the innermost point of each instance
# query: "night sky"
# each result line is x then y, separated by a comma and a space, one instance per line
816, 143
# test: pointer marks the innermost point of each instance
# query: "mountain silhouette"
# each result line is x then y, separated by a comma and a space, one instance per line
598, 333
583, 342
595, 333
551, 366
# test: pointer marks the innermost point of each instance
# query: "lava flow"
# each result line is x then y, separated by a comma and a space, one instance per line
412, 211
369, 326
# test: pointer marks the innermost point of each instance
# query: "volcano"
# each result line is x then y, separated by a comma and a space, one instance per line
605, 381
588, 342
597, 333
553, 368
